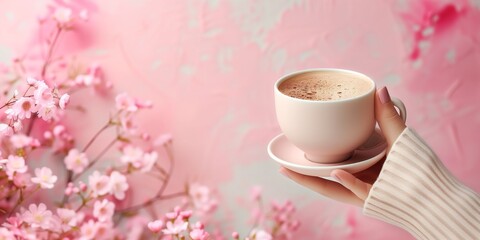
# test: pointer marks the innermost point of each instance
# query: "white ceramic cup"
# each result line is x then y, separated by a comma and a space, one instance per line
328, 131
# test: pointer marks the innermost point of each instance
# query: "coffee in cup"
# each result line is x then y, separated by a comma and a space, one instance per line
327, 113
325, 86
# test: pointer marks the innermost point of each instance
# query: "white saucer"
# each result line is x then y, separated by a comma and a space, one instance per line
288, 155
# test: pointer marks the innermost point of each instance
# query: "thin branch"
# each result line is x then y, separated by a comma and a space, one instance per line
30, 124
96, 135
159, 195
7, 103
22, 199
69, 178
95, 160
50, 52
152, 201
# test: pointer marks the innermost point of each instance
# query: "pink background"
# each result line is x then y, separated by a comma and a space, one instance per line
209, 67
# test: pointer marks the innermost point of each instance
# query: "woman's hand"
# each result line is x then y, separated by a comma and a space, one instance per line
354, 188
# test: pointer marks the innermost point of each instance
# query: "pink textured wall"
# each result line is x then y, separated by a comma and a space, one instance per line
209, 67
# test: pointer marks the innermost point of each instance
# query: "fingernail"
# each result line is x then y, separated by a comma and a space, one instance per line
384, 95
335, 177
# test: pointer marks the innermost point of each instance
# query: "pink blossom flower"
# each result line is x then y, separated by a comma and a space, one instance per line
14, 224
103, 210
43, 95
82, 186
76, 161
128, 124
59, 130
199, 234
17, 126
67, 218
235, 235
22, 180
104, 231
21, 140
162, 139
135, 157
5, 234
132, 155
261, 235
186, 214
47, 135
10, 113
175, 227
62, 140
37, 216
44, 177
155, 226
95, 70
100, 184
173, 215
63, 15
84, 79
148, 160
202, 198
15, 164
88, 230
64, 99
125, 102
5, 129
118, 185
47, 112
143, 104
32, 81
24, 107
136, 227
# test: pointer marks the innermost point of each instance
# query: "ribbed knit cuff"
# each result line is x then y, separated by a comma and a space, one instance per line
417, 193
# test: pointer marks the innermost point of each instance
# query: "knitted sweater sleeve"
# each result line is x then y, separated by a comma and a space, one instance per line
417, 193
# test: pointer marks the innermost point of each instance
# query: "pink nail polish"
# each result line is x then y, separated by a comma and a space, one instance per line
383, 95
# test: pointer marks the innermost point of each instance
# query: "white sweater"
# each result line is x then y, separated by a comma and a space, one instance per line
417, 193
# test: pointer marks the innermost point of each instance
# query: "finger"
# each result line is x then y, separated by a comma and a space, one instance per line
387, 116
355, 185
325, 187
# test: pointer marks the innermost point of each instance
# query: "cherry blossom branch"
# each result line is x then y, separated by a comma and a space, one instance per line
257, 220
105, 127
84, 202
70, 173
65, 196
21, 199
8, 103
50, 52
152, 201
159, 195
43, 72
95, 160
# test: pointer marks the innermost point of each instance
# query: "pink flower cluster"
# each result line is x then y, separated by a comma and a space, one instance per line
177, 225
276, 223
44, 102
71, 196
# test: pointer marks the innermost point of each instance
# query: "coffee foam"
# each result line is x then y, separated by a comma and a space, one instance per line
325, 86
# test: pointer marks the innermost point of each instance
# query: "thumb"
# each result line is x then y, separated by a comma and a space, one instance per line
387, 116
